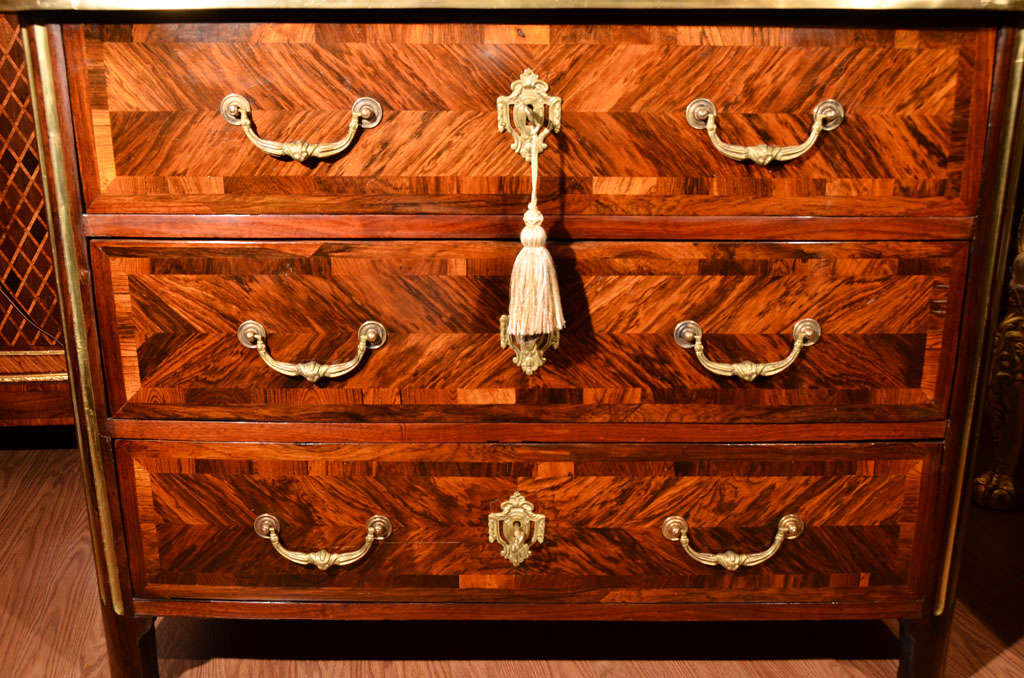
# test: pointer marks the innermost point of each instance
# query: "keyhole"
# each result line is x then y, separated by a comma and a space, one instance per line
536, 115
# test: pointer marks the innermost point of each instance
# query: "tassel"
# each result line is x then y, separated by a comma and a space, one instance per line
535, 306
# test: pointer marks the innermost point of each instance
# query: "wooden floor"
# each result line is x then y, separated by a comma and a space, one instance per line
49, 624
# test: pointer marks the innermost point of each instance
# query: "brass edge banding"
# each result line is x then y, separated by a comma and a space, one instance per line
31, 378
46, 351
58, 206
860, 5
1004, 195
33, 90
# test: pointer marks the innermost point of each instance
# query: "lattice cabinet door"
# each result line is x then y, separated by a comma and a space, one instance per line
33, 377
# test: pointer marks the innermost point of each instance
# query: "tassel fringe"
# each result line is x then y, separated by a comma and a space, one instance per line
535, 306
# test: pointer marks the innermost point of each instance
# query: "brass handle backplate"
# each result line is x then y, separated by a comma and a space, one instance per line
371, 335
237, 110
702, 114
516, 527
378, 528
675, 529
689, 334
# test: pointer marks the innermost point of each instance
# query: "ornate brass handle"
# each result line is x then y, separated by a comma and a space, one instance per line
371, 335
688, 334
378, 528
790, 527
702, 114
237, 110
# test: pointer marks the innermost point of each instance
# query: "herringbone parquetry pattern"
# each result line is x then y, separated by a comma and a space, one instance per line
28, 300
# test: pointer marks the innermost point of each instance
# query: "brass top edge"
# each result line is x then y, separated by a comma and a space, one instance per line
197, 5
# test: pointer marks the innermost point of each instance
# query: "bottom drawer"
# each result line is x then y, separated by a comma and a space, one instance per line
190, 510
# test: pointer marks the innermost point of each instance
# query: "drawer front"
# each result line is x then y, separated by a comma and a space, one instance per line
169, 313
190, 508
152, 139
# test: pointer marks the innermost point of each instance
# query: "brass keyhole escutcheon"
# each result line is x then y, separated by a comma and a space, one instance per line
516, 527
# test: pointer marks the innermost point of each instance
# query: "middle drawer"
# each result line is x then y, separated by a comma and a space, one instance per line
169, 313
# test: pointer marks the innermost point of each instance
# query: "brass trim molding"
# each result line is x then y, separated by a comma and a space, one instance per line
31, 352
32, 378
1004, 198
858, 5
58, 207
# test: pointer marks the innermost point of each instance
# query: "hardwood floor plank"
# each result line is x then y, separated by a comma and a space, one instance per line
50, 622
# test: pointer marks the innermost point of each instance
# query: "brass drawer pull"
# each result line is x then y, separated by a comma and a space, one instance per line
378, 528
516, 527
371, 335
702, 114
237, 110
688, 334
790, 527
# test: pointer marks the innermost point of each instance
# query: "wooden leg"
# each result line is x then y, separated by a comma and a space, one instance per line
131, 645
923, 645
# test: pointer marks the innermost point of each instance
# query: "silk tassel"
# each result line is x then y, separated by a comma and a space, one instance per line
535, 306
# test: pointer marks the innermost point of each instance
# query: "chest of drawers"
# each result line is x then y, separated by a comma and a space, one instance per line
760, 405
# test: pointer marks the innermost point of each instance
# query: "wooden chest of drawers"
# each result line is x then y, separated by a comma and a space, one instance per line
764, 390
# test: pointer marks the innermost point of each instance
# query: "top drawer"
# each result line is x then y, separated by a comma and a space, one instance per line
152, 139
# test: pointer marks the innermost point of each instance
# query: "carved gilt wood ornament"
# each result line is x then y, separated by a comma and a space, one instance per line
1005, 407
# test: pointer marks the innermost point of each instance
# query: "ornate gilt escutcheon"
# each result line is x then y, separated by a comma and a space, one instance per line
516, 527
702, 114
529, 114
529, 351
529, 107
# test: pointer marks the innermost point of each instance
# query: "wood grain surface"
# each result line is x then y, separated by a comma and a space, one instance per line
51, 626
190, 508
507, 227
169, 311
489, 432
50, 620
146, 102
